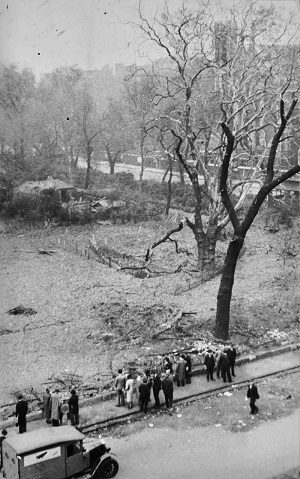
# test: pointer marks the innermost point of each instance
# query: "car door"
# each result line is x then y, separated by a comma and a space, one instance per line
75, 460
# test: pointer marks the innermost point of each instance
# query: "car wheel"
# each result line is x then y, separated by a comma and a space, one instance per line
108, 468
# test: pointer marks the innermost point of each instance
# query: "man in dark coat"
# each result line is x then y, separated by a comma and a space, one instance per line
231, 354
46, 406
2, 437
223, 367
74, 408
144, 394
21, 411
156, 385
188, 373
181, 371
252, 394
167, 387
209, 362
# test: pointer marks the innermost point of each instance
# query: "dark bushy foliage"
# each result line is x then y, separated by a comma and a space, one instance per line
281, 212
183, 196
100, 180
34, 207
138, 206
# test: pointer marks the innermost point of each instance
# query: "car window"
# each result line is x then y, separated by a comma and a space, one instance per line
73, 448
42, 455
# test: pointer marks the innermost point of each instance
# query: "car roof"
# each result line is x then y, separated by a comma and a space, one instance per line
40, 438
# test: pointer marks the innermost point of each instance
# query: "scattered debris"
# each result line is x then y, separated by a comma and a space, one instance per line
5, 331
46, 251
276, 335
22, 310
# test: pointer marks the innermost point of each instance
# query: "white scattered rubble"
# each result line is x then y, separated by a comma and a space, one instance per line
276, 335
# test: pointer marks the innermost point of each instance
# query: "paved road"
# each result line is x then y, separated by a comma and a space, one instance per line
210, 453
149, 173
157, 174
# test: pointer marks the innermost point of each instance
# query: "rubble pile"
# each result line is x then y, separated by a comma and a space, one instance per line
279, 337
125, 322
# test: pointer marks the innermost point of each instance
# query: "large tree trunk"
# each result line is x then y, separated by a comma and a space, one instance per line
225, 289
209, 248
206, 248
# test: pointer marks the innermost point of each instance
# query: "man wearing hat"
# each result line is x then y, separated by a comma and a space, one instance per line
167, 387
252, 394
181, 371
144, 392
46, 406
21, 411
231, 354
209, 362
224, 367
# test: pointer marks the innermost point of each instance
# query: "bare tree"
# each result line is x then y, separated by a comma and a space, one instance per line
89, 125
114, 137
241, 227
57, 119
213, 72
16, 93
138, 93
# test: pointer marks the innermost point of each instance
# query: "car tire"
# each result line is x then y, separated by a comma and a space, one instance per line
107, 469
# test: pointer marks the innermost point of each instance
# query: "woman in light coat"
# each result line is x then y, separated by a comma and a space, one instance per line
55, 404
129, 388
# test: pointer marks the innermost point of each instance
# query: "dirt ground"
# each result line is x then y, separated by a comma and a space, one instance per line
91, 319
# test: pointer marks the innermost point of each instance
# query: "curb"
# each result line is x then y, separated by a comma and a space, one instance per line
197, 371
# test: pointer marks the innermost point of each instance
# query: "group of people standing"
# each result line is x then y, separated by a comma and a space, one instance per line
140, 388
223, 360
155, 381
58, 411
54, 407
180, 372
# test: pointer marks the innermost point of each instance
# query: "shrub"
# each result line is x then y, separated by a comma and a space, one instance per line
281, 212
34, 207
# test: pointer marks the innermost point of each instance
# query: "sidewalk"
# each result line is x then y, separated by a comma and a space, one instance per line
107, 409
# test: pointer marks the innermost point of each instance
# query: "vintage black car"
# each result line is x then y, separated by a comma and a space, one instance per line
56, 453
